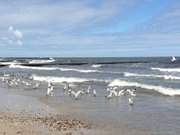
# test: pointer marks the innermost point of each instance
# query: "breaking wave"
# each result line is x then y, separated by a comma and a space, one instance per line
64, 79
52, 68
96, 65
6, 63
160, 89
40, 61
167, 69
166, 77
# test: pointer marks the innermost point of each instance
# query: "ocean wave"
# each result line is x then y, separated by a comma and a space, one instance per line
53, 68
167, 69
6, 63
40, 61
96, 65
160, 89
166, 77
78, 70
64, 79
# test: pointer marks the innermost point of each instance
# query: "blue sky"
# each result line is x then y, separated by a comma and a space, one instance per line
89, 28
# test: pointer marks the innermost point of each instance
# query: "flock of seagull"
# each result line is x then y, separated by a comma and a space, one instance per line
15, 81
112, 92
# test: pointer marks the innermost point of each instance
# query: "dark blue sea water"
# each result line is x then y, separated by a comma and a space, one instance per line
156, 107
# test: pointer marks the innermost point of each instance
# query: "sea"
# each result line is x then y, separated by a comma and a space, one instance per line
156, 108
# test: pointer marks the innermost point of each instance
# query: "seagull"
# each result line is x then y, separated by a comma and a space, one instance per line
76, 94
94, 93
131, 102
108, 89
50, 89
131, 92
121, 92
88, 90
69, 91
109, 96
66, 87
115, 93
26, 83
36, 86
173, 59
112, 92
115, 88
10, 83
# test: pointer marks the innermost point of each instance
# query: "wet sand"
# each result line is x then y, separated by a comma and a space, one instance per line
25, 115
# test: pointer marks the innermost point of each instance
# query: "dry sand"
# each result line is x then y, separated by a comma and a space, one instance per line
23, 124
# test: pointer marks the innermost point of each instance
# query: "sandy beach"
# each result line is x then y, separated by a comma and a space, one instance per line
26, 115
23, 124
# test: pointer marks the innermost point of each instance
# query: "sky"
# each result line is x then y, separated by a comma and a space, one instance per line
89, 28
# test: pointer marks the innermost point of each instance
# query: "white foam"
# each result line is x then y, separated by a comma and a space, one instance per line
78, 70
160, 89
53, 68
166, 77
40, 61
96, 65
10, 63
167, 69
63, 79
35, 68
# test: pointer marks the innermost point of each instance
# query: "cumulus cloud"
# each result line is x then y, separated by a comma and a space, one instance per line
16, 36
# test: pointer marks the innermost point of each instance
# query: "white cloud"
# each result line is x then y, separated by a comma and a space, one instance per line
14, 37
18, 34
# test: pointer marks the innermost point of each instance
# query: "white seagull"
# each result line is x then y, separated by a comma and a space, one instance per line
121, 93
76, 94
131, 102
131, 92
50, 90
37, 85
88, 90
173, 59
66, 87
94, 93
109, 96
114, 92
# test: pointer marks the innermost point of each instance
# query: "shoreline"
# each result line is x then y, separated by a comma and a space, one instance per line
26, 115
